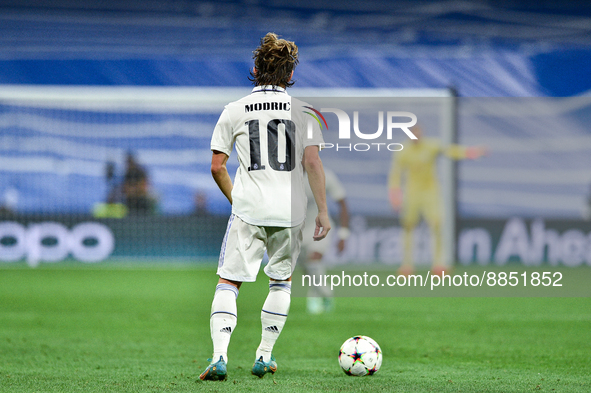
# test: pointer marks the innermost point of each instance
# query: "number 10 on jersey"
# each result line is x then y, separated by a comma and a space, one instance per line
272, 145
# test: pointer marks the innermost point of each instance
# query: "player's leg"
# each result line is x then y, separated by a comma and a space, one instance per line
309, 258
222, 323
409, 220
434, 217
314, 267
224, 317
283, 247
319, 297
273, 317
240, 259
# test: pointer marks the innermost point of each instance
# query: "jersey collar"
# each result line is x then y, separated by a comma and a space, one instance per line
268, 88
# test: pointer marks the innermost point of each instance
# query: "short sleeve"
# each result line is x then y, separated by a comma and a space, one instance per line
223, 138
315, 139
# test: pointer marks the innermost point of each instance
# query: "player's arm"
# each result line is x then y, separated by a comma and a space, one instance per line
458, 152
220, 173
313, 166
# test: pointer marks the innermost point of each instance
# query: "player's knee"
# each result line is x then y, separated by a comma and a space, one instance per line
315, 257
283, 285
236, 284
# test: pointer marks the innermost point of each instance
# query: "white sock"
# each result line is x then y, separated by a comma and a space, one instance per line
273, 316
223, 319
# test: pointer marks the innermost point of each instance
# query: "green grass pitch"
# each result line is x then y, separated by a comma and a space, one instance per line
69, 328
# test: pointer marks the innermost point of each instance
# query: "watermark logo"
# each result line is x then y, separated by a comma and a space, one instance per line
391, 119
315, 115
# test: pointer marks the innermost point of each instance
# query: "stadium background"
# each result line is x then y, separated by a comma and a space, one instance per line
534, 186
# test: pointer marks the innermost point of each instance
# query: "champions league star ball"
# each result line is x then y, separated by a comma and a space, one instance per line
359, 356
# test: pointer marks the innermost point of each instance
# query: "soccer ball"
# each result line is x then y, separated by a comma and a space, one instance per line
359, 356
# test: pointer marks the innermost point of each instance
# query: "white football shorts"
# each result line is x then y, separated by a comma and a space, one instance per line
244, 246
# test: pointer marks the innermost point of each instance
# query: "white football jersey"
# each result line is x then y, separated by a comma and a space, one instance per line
270, 130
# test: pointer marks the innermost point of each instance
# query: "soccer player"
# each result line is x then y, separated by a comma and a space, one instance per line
274, 145
416, 166
319, 298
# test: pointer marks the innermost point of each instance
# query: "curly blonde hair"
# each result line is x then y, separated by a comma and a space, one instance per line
274, 61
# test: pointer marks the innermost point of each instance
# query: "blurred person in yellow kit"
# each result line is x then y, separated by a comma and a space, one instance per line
413, 190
